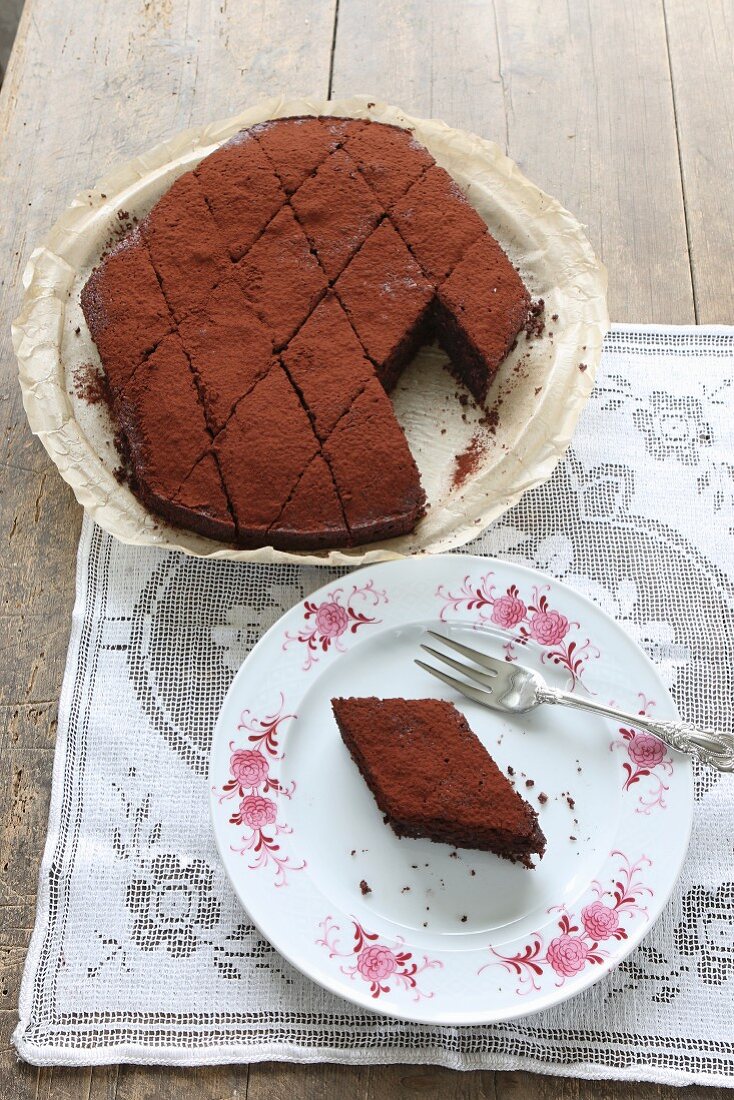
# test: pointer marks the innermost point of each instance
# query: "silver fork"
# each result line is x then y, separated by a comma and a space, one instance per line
515, 689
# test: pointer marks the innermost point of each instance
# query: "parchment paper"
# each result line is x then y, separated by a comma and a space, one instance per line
542, 386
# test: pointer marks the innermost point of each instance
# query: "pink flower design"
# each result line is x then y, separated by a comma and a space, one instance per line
331, 619
249, 767
578, 944
257, 811
380, 966
528, 618
600, 921
645, 750
329, 624
650, 763
249, 770
549, 627
567, 955
508, 611
376, 962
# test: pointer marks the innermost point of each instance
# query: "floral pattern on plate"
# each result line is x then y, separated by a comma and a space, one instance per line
531, 618
648, 757
325, 624
382, 967
580, 941
251, 780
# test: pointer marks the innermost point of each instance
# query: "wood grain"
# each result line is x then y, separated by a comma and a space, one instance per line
83, 92
579, 92
701, 49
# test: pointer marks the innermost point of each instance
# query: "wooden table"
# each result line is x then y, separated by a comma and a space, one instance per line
619, 109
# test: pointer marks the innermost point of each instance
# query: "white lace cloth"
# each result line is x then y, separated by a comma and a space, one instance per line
140, 951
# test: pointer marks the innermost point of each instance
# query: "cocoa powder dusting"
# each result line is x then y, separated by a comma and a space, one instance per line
90, 385
468, 462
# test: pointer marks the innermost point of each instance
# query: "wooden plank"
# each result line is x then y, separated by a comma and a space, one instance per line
88, 85
544, 80
701, 47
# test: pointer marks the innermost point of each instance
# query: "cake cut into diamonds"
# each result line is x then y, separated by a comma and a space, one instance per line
252, 325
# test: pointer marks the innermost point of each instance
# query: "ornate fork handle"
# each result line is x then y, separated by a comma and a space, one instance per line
708, 746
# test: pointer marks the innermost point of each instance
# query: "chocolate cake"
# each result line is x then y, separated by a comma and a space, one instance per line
432, 777
250, 327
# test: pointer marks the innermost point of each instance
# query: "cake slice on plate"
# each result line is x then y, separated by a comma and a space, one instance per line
432, 777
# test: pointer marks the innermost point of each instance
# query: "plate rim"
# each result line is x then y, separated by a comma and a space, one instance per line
548, 999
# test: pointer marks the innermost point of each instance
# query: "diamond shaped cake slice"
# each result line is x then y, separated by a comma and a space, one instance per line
327, 364
185, 245
262, 452
242, 191
164, 425
481, 308
388, 301
389, 158
281, 278
436, 222
432, 777
374, 472
337, 211
229, 348
125, 310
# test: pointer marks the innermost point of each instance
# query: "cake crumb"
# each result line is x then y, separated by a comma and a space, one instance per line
572, 838
542, 798
529, 782
405, 890
510, 769
453, 855
353, 852
583, 367
535, 323
463, 919
571, 802
365, 888
472, 872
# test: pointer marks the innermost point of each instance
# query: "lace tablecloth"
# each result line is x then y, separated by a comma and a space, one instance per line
141, 952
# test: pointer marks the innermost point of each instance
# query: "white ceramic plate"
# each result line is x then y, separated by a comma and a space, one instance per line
444, 936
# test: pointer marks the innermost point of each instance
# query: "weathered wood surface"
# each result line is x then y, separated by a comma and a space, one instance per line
622, 111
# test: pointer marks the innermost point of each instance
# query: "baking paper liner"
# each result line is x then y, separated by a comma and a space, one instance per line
541, 387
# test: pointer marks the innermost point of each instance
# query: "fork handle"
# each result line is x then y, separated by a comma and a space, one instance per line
708, 746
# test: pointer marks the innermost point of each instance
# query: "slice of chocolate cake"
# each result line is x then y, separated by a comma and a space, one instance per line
432, 777
389, 158
185, 245
281, 278
266, 445
414, 217
481, 308
375, 473
242, 191
164, 425
388, 300
229, 348
125, 310
337, 211
327, 364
